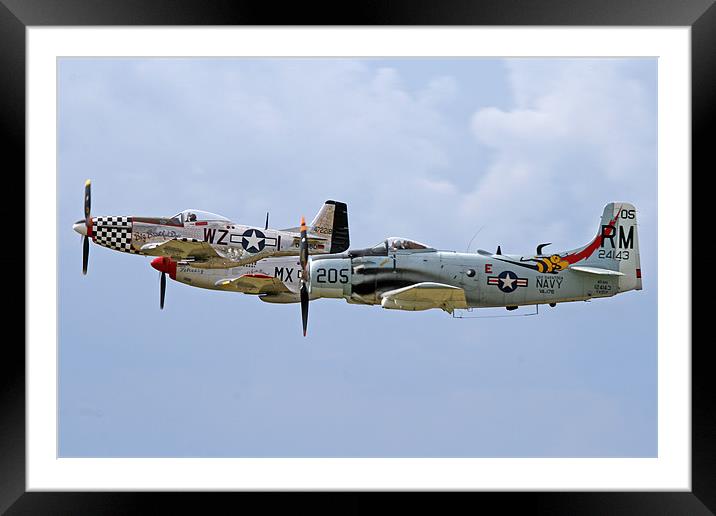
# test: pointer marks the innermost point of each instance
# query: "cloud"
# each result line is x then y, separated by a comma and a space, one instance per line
438, 91
437, 187
243, 136
581, 133
433, 150
240, 137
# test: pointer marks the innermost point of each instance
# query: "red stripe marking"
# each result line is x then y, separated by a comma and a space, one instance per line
638, 273
593, 245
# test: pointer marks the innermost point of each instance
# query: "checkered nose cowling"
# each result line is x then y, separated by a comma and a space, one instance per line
113, 232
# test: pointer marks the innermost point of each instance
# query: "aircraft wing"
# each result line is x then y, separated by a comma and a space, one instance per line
254, 284
181, 249
422, 296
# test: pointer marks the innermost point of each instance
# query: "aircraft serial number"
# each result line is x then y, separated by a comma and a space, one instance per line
614, 254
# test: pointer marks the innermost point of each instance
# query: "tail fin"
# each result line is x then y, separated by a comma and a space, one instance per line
332, 221
615, 248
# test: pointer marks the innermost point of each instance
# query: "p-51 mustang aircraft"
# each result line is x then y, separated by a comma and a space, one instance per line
205, 240
402, 274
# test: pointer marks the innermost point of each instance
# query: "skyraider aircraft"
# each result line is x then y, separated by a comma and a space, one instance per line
402, 274
207, 241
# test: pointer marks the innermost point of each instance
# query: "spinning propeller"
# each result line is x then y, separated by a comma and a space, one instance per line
84, 227
303, 256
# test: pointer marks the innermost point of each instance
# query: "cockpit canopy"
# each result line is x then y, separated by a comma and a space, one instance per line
399, 244
198, 216
391, 245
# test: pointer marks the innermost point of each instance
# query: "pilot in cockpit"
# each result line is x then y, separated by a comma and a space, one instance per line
403, 244
396, 244
191, 217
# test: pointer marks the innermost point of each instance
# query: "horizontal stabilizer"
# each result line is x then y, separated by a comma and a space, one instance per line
596, 270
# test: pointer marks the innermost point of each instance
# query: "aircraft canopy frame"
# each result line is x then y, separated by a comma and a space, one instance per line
192, 215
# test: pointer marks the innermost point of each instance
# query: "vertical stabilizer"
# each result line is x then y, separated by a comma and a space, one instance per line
332, 222
616, 246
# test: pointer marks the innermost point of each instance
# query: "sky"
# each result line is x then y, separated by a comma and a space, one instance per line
512, 152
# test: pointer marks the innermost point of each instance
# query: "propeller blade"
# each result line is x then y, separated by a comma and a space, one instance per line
85, 254
88, 224
162, 290
304, 307
303, 255
303, 245
88, 202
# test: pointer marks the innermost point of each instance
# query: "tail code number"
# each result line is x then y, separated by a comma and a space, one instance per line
625, 240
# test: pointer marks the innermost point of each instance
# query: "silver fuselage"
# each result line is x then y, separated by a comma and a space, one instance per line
487, 280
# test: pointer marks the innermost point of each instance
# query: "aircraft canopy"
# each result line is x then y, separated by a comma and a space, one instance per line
391, 245
399, 244
198, 216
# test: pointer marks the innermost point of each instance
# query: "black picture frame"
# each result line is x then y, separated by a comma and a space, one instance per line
16, 15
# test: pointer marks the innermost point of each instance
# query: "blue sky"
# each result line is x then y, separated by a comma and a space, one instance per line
529, 150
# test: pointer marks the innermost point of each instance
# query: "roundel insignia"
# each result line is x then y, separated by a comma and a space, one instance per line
507, 281
253, 240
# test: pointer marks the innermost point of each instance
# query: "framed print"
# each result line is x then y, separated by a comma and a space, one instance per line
429, 124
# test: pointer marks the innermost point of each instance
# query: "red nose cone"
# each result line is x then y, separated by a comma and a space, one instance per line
167, 265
